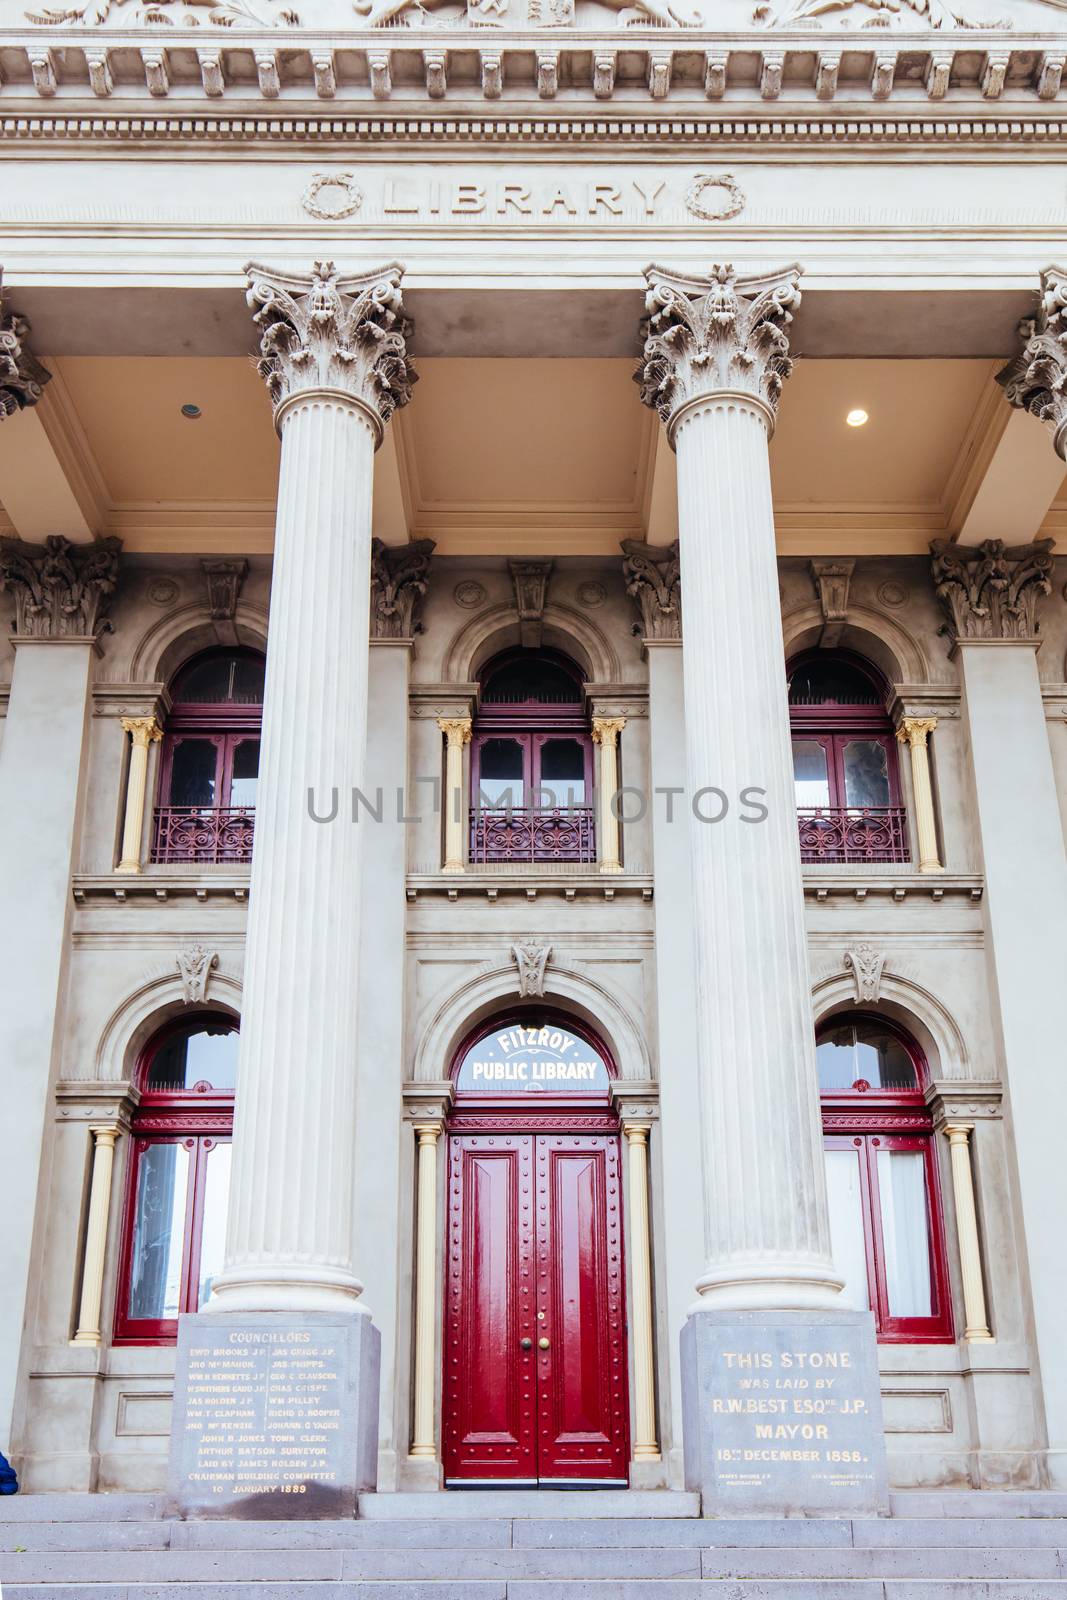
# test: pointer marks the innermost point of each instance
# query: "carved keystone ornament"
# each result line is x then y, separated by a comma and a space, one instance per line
531, 959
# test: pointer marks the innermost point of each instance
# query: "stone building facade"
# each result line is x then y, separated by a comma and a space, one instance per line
814, 1076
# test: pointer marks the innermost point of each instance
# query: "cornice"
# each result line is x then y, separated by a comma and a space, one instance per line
766, 79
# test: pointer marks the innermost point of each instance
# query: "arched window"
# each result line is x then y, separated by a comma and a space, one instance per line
844, 761
530, 1056
177, 1185
210, 762
881, 1174
531, 762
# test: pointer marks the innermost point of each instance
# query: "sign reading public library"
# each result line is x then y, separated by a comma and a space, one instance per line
265, 1414
537, 1060
790, 1411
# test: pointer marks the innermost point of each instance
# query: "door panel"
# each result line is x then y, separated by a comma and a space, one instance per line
582, 1377
535, 1253
488, 1413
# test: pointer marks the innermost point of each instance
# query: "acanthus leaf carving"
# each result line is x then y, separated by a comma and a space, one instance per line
865, 964
400, 576
653, 578
531, 959
327, 332
1036, 379
22, 377
195, 966
720, 334
60, 589
935, 13
224, 580
991, 590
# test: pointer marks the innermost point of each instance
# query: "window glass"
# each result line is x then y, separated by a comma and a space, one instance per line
866, 764
831, 682
563, 772
213, 1233
245, 775
846, 1225
810, 777
159, 1232
518, 682
203, 1055
905, 1232
850, 1052
500, 773
220, 679
193, 773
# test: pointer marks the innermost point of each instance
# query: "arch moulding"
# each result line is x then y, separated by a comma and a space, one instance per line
148, 1007
493, 989
497, 628
904, 1001
882, 639
184, 632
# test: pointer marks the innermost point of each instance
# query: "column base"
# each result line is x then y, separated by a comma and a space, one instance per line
275, 1415
782, 1414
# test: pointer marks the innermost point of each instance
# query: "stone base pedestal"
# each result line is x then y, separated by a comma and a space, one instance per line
275, 1415
782, 1414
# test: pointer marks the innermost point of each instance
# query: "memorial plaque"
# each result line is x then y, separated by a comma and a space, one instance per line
783, 1413
275, 1415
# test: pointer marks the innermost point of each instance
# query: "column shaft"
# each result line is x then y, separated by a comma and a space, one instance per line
959, 1135
423, 1443
645, 1446
88, 1331
605, 733
289, 1242
914, 732
457, 732
766, 1190
143, 731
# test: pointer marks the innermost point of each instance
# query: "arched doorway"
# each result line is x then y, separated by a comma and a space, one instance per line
535, 1363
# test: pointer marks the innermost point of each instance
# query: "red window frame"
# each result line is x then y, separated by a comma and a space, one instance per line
867, 1120
532, 723
199, 1118
833, 726
223, 723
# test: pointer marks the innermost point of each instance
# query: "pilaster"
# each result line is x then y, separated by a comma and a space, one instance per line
60, 594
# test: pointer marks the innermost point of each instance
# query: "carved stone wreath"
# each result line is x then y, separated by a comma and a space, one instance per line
731, 204
332, 180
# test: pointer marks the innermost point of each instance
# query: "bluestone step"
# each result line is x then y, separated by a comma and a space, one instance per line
533, 1503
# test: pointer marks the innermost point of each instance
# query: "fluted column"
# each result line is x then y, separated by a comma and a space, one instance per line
143, 732
958, 1135
715, 356
914, 732
88, 1330
422, 1443
606, 731
334, 359
457, 732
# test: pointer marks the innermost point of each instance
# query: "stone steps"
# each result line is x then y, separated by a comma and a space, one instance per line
537, 1545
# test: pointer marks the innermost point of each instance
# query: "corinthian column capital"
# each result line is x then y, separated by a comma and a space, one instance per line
720, 335
991, 590
61, 589
346, 337
1035, 379
399, 577
22, 376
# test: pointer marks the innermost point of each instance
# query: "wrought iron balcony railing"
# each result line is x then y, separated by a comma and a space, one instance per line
200, 834
868, 834
532, 833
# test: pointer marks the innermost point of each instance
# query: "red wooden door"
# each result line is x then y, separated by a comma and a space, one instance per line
535, 1369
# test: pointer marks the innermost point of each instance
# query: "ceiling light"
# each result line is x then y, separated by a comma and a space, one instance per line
193, 412
857, 418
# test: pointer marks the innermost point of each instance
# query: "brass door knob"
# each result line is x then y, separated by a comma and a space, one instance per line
543, 1344
525, 1344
